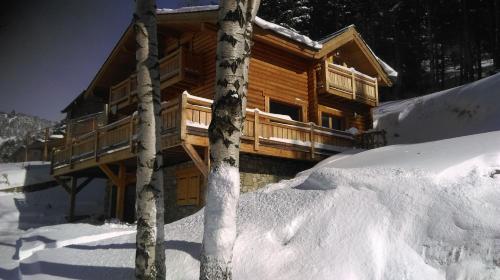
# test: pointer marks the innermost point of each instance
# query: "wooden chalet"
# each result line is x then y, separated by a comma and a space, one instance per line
303, 95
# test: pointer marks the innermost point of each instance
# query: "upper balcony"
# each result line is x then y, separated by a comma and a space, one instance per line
181, 68
348, 84
185, 120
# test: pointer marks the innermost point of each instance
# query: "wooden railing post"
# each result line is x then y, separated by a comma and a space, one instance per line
96, 145
376, 92
183, 115
72, 144
311, 138
326, 75
353, 77
131, 137
128, 89
256, 129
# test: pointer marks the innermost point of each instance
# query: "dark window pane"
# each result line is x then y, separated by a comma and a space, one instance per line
325, 120
285, 109
337, 123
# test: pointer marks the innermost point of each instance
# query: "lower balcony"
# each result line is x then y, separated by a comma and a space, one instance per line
185, 121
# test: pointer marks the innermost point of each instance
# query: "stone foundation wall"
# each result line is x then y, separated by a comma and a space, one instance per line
258, 171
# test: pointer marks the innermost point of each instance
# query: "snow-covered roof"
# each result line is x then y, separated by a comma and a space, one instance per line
264, 24
283, 31
188, 9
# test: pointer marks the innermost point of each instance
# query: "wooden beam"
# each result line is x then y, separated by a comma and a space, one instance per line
198, 161
62, 183
84, 184
111, 175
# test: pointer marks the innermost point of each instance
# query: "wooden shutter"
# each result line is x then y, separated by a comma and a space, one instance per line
188, 186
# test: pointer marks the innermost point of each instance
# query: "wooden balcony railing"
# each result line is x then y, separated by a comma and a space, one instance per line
262, 128
86, 124
348, 83
188, 117
179, 68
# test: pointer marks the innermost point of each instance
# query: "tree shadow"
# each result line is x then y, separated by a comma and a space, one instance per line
72, 271
191, 248
48, 204
48, 243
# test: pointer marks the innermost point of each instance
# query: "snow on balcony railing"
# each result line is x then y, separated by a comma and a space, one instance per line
349, 83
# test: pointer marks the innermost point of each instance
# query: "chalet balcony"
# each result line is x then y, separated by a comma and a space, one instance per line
86, 124
185, 120
347, 83
178, 69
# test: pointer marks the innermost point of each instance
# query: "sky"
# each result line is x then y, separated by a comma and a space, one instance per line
50, 50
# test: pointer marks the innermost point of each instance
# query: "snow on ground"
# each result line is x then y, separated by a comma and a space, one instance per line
23, 215
408, 211
464, 110
421, 211
24, 174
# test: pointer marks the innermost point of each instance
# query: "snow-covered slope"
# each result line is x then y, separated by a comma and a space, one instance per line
14, 127
21, 174
398, 212
465, 110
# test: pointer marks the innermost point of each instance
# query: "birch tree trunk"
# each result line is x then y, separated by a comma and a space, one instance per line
228, 114
150, 250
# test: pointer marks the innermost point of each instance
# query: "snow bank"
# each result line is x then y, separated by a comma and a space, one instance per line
464, 110
421, 211
20, 174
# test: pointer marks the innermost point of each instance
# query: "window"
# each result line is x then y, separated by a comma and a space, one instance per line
294, 111
332, 121
188, 186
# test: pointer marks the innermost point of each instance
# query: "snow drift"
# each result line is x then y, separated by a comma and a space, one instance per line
464, 110
398, 212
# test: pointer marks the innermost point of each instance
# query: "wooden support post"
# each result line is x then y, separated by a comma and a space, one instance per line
376, 92
46, 145
120, 183
120, 194
183, 115
72, 199
256, 129
353, 77
311, 138
195, 157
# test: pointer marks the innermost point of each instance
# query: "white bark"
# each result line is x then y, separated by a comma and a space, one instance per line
228, 114
150, 250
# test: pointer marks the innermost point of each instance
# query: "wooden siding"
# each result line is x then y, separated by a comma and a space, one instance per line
273, 73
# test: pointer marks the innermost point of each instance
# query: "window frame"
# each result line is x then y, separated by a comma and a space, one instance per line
332, 112
297, 103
